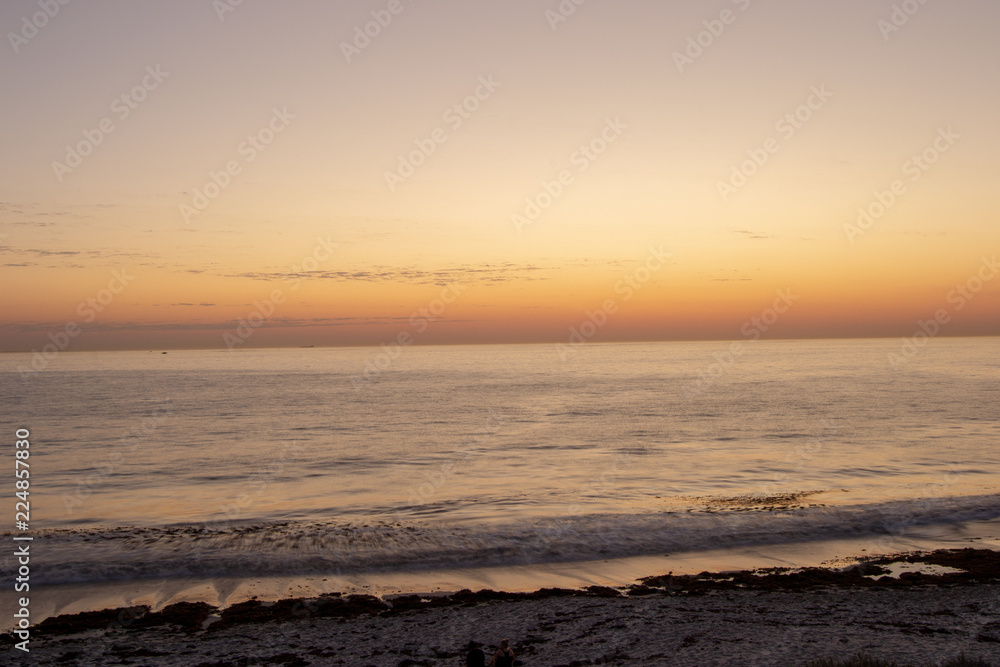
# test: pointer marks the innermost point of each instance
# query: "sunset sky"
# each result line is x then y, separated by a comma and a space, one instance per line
613, 120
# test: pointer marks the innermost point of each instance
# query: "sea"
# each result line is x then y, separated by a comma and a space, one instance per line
169, 466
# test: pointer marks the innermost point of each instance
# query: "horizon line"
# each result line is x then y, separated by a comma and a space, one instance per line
747, 341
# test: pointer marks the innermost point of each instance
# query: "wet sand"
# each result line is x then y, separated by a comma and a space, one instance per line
49, 601
913, 609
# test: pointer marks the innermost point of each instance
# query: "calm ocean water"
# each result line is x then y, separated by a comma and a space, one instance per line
205, 463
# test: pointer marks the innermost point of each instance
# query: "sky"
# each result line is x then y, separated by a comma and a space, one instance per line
211, 174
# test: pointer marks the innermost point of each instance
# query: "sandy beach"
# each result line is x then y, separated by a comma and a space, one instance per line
916, 609
607, 333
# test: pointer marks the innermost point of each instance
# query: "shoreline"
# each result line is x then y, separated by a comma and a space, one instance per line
930, 605
54, 600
